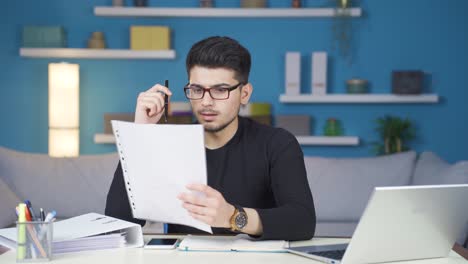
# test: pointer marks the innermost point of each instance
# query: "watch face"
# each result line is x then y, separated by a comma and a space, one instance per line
241, 220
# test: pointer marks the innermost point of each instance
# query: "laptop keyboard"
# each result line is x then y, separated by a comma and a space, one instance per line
333, 254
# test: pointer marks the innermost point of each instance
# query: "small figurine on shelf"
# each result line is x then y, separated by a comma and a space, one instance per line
333, 128
206, 3
97, 41
296, 4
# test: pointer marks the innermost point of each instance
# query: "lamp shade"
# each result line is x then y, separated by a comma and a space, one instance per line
64, 109
64, 142
64, 95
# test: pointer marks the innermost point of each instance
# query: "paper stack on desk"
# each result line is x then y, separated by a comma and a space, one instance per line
86, 232
90, 243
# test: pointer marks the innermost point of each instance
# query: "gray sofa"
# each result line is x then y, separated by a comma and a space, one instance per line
341, 187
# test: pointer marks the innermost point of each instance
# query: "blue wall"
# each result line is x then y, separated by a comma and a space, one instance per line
398, 34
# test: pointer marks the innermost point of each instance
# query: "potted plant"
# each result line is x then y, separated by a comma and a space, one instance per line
342, 29
395, 134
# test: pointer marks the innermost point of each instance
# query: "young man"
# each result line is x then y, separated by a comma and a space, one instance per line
257, 181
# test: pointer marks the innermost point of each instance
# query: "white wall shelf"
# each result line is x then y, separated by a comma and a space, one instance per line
221, 12
359, 98
96, 53
104, 139
328, 141
303, 140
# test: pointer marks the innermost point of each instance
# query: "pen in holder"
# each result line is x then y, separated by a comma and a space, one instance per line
34, 241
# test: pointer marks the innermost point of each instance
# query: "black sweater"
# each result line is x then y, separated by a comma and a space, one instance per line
261, 167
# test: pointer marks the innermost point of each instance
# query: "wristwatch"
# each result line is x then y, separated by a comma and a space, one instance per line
238, 219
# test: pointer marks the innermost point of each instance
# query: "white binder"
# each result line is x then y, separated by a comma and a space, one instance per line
87, 225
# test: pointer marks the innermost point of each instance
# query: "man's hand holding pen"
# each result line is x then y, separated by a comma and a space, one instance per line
152, 104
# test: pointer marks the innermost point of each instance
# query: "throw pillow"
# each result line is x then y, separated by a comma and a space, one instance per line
341, 187
431, 169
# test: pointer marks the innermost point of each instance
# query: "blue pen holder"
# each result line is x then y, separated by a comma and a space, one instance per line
34, 241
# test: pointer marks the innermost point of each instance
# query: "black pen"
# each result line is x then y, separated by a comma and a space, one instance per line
166, 102
42, 214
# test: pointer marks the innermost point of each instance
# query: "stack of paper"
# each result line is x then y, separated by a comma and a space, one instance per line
235, 243
89, 243
86, 232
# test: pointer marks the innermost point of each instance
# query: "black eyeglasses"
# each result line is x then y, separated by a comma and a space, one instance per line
197, 92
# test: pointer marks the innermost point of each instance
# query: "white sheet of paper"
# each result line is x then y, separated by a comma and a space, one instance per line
158, 162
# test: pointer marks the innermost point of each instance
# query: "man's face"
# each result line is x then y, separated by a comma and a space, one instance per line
215, 115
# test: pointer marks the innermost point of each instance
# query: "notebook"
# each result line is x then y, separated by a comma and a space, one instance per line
158, 161
86, 232
241, 243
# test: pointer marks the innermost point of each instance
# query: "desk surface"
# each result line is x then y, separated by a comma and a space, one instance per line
139, 255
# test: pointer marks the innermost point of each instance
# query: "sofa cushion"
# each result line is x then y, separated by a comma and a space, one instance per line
342, 187
335, 229
430, 170
8, 202
71, 186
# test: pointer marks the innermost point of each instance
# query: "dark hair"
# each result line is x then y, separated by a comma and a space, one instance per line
220, 52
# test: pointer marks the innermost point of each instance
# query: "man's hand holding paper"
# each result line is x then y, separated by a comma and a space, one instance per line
210, 208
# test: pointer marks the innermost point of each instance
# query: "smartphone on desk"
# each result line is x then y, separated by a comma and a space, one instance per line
162, 243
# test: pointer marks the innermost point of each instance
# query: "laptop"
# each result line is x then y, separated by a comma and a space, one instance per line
401, 223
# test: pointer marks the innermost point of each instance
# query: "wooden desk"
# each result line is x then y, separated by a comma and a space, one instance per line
139, 255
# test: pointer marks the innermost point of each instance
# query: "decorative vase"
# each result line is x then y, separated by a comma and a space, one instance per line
140, 3
343, 3
332, 128
206, 3
356, 86
296, 4
117, 2
393, 146
97, 41
253, 3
